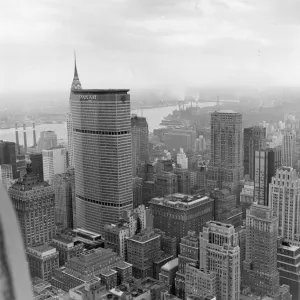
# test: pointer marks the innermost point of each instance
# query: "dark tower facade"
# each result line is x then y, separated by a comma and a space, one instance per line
8, 156
254, 140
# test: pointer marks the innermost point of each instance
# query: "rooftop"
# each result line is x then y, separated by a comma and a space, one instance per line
123, 265
101, 91
108, 272
145, 236
170, 264
228, 111
41, 248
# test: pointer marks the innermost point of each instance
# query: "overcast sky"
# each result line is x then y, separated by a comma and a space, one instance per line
146, 43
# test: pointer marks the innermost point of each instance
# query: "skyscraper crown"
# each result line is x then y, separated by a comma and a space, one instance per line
76, 85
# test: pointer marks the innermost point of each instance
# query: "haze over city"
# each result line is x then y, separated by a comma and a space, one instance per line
173, 44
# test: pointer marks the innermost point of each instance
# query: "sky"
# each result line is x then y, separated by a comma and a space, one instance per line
148, 43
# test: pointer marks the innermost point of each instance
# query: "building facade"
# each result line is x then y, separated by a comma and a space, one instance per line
165, 183
284, 197
266, 163
140, 140
54, 162
48, 140
247, 196
6, 175
8, 156
102, 156
288, 148
226, 164
64, 190
178, 214
260, 266
37, 164
220, 253
254, 140
34, 204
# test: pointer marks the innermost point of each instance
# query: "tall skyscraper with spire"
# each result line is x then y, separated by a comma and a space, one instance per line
76, 85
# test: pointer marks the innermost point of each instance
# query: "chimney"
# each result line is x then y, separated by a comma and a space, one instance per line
34, 135
17, 139
25, 138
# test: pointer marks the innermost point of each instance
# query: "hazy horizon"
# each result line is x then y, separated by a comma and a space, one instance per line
163, 44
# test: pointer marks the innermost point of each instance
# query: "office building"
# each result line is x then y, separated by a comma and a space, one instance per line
142, 250
33, 200
199, 283
288, 264
180, 138
226, 164
137, 187
8, 156
183, 181
42, 260
90, 290
200, 144
102, 156
54, 162
241, 232
247, 196
21, 161
198, 180
76, 85
168, 243
189, 253
254, 140
220, 254
288, 148
165, 183
115, 236
168, 273
37, 164
48, 140
260, 266
284, 199
182, 159
139, 140
266, 163
64, 190
178, 214
6, 176
66, 247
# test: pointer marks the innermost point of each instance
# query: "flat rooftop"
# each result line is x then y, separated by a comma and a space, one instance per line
227, 111
101, 91
41, 248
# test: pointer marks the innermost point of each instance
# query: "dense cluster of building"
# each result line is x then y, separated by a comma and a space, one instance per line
114, 216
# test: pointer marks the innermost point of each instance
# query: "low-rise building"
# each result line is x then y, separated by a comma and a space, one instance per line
42, 260
168, 273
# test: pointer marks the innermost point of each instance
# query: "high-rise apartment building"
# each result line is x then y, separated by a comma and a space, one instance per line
260, 266
8, 156
64, 190
140, 142
266, 163
178, 213
37, 164
226, 165
288, 148
76, 85
254, 140
220, 253
54, 162
48, 140
33, 200
102, 156
284, 199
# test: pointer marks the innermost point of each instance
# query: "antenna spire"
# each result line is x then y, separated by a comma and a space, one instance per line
76, 85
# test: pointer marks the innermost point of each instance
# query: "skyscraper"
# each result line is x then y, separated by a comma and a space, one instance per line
54, 162
33, 200
139, 138
226, 168
37, 164
260, 266
284, 197
102, 156
254, 140
288, 148
76, 85
266, 163
48, 140
8, 156
220, 253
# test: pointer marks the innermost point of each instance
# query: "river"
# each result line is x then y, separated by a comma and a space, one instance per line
153, 116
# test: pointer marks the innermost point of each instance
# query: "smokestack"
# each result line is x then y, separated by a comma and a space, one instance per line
17, 139
25, 138
34, 135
